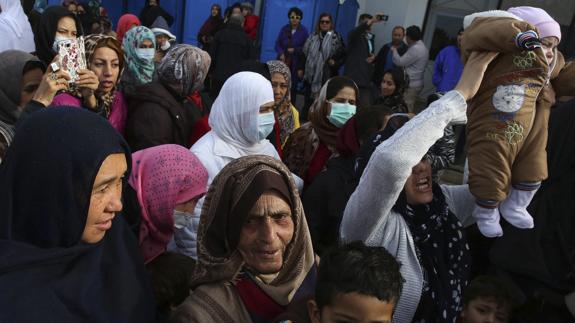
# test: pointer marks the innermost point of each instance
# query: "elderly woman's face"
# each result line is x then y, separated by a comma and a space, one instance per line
266, 233
280, 86
106, 198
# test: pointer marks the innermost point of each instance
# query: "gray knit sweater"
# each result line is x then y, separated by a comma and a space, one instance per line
369, 216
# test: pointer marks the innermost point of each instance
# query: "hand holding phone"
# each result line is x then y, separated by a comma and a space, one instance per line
72, 57
380, 17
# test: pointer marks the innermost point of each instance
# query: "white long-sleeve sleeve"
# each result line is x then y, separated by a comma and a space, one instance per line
390, 165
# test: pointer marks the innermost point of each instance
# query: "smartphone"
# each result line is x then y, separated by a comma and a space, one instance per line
382, 17
72, 57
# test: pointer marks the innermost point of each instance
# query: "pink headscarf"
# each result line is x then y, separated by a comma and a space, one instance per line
125, 23
164, 176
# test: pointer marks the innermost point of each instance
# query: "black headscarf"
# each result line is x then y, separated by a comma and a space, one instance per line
544, 256
46, 273
45, 31
149, 14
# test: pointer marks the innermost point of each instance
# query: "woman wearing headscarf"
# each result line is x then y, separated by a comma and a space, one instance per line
237, 132
285, 113
397, 206
56, 24
66, 253
325, 53
309, 147
165, 185
126, 22
15, 28
139, 45
244, 273
210, 27
105, 57
151, 11
23, 74
159, 112
392, 87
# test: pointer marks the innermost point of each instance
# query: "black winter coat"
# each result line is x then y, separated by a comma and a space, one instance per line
325, 199
231, 46
157, 117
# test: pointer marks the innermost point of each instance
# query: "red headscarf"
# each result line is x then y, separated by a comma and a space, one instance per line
125, 23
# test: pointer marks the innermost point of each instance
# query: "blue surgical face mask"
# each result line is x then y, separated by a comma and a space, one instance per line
146, 53
266, 123
340, 113
181, 219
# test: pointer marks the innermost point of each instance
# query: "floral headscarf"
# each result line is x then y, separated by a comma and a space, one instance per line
139, 71
184, 69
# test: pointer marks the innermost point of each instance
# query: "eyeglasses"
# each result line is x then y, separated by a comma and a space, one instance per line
295, 17
325, 22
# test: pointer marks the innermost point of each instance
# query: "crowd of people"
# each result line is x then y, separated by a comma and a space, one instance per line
163, 182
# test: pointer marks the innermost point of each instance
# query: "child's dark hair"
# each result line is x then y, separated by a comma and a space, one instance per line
370, 271
171, 273
489, 287
369, 120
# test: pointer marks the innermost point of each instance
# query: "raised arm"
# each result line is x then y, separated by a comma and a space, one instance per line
369, 207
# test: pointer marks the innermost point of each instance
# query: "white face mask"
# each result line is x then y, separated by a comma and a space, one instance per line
181, 219
57, 40
165, 46
266, 123
146, 54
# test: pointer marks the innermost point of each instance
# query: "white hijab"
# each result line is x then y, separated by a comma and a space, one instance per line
15, 28
234, 114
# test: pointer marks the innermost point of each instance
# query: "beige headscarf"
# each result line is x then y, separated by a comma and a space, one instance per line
219, 261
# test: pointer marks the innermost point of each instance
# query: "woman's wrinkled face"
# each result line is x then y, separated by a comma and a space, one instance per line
266, 233
418, 188
549, 46
66, 28
29, 84
106, 198
106, 65
280, 86
387, 85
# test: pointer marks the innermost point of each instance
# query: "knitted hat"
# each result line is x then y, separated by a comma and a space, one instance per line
546, 25
160, 26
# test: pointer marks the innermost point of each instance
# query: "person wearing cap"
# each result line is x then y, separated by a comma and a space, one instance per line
508, 118
251, 21
164, 38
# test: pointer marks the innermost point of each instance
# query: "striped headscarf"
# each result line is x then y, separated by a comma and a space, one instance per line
139, 71
184, 69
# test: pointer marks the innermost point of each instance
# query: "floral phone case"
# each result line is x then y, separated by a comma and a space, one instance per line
72, 57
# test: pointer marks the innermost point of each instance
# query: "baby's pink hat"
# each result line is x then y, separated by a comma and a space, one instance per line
546, 25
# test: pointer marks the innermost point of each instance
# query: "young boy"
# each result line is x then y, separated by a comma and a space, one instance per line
355, 283
507, 119
486, 299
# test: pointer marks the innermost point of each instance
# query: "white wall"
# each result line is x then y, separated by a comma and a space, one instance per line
401, 13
